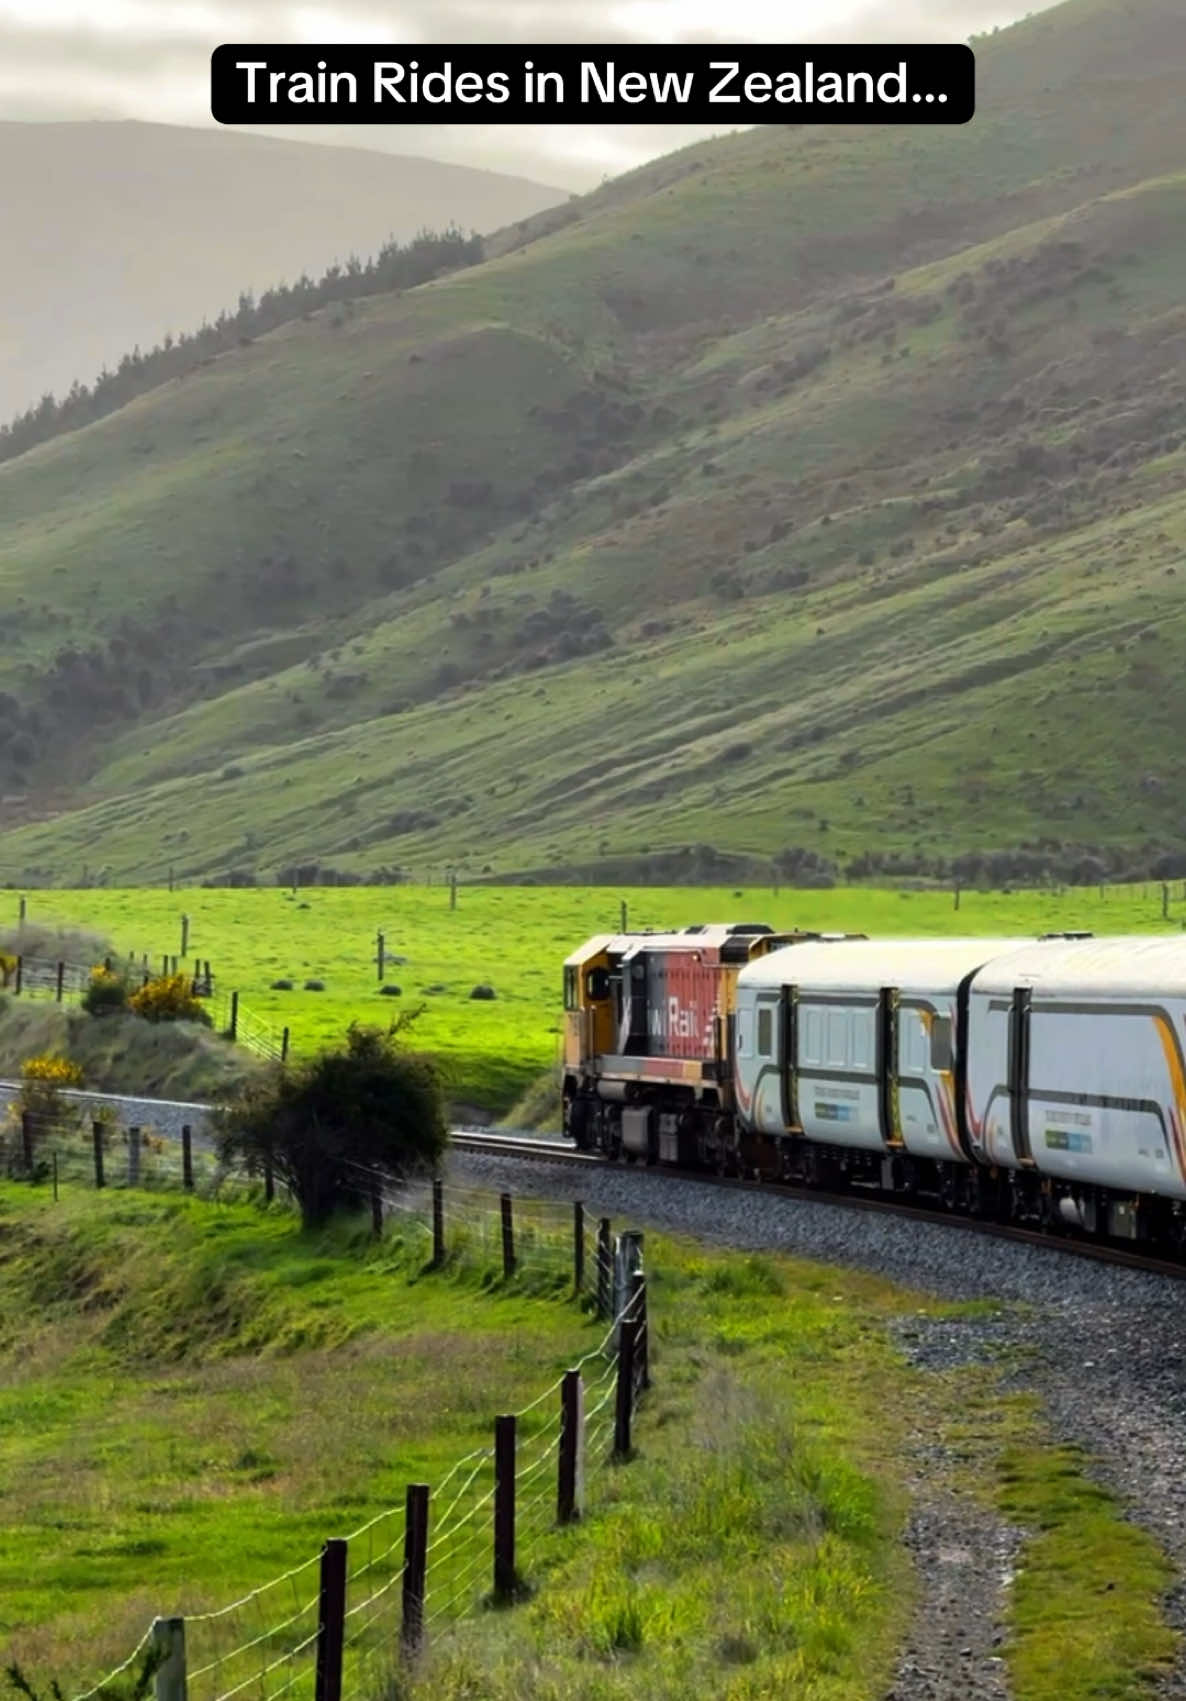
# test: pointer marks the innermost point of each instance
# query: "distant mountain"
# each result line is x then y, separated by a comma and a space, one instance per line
815, 493
116, 233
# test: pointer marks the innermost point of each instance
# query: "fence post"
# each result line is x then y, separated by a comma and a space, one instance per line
61, 975
185, 936
578, 1246
168, 1638
508, 1237
604, 1268
269, 1181
415, 1565
627, 1335
234, 1028
97, 1138
438, 1221
27, 1140
504, 1507
625, 914
570, 1484
187, 1159
638, 1310
20, 970
133, 1156
284, 1046
22, 913
380, 954
332, 1621
55, 1158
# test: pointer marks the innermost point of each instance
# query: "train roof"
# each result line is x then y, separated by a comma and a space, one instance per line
714, 936
850, 964
1125, 965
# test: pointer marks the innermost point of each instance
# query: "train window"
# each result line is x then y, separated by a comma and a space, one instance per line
570, 989
941, 1043
765, 1034
837, 1036
597, 985
861, 1034
812, 1044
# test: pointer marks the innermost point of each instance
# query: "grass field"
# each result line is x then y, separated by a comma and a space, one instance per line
194, 1395
514, 939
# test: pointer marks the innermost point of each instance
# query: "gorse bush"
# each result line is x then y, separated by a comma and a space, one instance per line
168, 998
7, 968
106, 992
42, 1080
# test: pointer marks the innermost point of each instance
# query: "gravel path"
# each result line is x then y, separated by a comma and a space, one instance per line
1103, 1347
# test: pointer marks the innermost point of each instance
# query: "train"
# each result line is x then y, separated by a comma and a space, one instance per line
1036, 1080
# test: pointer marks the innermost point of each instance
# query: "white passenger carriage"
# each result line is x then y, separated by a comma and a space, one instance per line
853, 1044
1077, 1073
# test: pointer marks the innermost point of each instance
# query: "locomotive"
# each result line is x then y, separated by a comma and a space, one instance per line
1037, 1080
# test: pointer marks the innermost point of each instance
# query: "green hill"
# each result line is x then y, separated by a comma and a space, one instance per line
808, 488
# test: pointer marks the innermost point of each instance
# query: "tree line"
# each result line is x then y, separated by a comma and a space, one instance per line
394, 268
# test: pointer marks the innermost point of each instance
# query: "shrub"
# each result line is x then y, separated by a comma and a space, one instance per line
7, 968
391, 991
314, 986
107, 992
483, 992
329, 1127
168, 998
281, 986
42, 1080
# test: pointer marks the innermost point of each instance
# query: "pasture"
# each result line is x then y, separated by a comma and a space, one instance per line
513, 939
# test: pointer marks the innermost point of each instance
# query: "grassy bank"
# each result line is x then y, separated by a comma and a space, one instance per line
193, 1396
513, 939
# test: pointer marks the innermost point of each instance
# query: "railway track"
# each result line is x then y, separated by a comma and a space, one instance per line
1105, 1252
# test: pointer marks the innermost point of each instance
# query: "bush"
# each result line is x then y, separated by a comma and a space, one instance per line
391, 991
168, 998
281, 986
330, 1127
106, 993
314, 986
42, 1080
483, 992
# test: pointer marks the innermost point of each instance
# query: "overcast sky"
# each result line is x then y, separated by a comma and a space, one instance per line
149, 59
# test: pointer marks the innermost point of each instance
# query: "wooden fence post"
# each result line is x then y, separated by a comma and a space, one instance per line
20, 971
269, 1181
625, 915
578, 1246
22, 913
504, 1507
624, 1409
284, 1046
570, 1484
187, 1158
234, 1028
415, 1566
508, 1237
97, 1138
27, 1141
61, 977
638, 1310
168, 1638
380, 954
438, 1221
605, 1260
133, 1156
332, 1621
185, 936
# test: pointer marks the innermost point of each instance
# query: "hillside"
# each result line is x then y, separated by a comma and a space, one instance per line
118, 233
809, 489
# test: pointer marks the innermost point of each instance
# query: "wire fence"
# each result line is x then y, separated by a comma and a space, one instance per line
335, 1625
64, 981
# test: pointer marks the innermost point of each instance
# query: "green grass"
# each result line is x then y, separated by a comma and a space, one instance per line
954, 541
194, 1395
1086, 1620
513, 938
